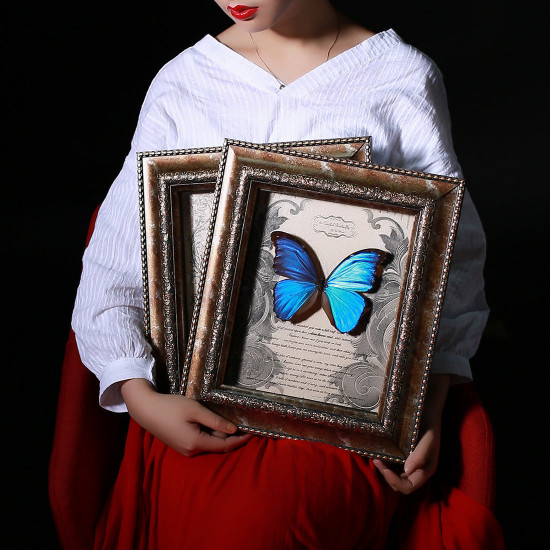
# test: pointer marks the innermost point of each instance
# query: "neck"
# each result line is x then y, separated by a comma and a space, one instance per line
305, 36
305, 23
281, 83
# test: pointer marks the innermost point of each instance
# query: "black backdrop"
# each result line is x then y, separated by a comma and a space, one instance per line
76, 78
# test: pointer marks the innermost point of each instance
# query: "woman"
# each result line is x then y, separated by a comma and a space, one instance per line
285, 70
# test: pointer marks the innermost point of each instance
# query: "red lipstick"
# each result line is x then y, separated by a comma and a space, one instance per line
242, 12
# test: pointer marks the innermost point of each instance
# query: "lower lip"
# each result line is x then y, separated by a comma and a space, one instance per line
242, 12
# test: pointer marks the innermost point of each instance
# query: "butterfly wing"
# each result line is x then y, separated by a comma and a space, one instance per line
356, 273
292, 260
289, 296
346, 307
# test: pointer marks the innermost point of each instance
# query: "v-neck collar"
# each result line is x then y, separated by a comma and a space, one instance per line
255, 75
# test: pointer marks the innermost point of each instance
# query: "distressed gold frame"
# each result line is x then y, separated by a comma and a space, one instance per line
433, 202
167, 179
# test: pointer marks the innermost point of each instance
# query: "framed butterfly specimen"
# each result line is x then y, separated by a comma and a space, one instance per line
319, 298
340, 291
176, 189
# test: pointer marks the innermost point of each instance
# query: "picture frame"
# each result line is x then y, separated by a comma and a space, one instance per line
176, 189
306, 380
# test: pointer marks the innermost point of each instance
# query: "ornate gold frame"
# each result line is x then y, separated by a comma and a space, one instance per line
167, 179
429, 203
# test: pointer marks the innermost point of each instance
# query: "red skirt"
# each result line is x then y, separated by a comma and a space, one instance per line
268, 494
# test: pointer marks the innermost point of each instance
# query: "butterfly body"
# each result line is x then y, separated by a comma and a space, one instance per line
304, 284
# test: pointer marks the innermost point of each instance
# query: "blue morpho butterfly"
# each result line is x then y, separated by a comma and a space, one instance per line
340, 292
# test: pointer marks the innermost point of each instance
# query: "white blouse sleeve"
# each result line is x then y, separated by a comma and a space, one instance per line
465, 312
108, 316
423, 142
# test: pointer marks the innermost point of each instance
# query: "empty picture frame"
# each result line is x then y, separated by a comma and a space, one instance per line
176, 189
302, 378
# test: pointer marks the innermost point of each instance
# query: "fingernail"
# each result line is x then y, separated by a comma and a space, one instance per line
231, 427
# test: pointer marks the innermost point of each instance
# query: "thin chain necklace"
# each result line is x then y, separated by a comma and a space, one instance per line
281, 83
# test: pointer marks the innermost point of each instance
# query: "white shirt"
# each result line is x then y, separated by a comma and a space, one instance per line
382, 88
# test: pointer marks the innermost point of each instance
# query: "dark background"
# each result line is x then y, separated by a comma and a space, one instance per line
75, 82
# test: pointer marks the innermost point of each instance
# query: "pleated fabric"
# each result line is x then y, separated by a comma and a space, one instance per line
440, 517
268, 494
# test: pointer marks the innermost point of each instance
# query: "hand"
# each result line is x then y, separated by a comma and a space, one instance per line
182, 423
421, 464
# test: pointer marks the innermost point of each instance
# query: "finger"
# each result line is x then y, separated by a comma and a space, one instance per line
212, 444
405, 486
420, 457
216, 433
222, 434
234, 441
389, 467
414, 462
403, 483
414, 481
211, 420
392, 479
